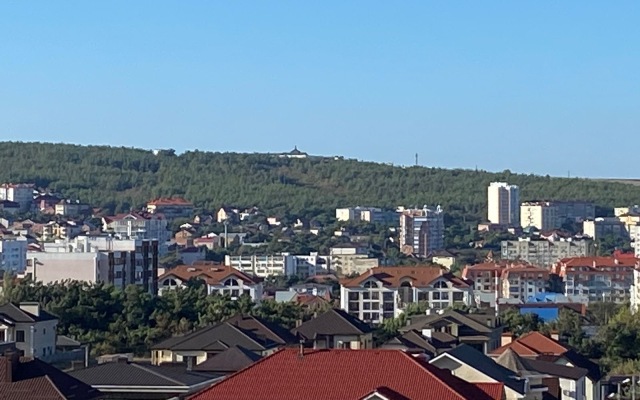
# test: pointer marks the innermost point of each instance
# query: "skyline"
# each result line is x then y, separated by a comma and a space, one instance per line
533, 88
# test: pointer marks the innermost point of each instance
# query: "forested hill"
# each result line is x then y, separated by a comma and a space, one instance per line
121, 178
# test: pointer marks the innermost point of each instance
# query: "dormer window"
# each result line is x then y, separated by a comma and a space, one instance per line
231, 282
371, 285
440, 285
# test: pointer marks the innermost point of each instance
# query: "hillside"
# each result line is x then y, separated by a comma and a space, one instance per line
120, 178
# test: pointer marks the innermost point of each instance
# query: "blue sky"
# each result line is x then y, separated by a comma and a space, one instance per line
536, 87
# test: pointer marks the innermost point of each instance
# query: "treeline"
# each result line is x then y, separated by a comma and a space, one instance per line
119, 179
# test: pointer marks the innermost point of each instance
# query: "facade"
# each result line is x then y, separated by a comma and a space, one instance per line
503, 204
223, 280
575, 211
284, 264
97, 259
384, 292
607, 279
171, 208
545, 252
542, 215
71, 208
32, 329
13, 254
635, 291
21, 193
351, 258
422, 231
335, 329
368, 214
506, 282
60, 230
137, 226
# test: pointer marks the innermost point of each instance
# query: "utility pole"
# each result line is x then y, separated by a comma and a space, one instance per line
416, 159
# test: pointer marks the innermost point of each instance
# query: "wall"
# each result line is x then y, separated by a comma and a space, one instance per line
52, 267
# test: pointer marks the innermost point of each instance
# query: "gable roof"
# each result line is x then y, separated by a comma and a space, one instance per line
418, 276
231, 360
425, 321
15, 314
525, 367
332, 322
213, 275
262, 328
349, 374
478, 361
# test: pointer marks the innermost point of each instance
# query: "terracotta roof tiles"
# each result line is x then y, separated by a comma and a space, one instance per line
418, 276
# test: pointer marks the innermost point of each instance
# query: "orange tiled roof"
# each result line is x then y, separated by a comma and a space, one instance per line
533, 344
212, 274
419, 276
599, 262
166, 201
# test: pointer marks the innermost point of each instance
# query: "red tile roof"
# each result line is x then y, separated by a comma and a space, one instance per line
213, 275
533, 344
345, 375
419, 276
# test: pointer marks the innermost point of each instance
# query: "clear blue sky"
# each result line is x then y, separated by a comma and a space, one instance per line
536, 87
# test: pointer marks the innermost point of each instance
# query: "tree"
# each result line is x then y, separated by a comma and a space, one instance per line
518, 324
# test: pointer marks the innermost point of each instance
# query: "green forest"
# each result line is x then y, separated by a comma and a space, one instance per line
119, 179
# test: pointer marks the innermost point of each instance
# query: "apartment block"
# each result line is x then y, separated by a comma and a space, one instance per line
601, 227
21, 193
13, 254
542, 215
137, 226
367, 214
351, 258
511, 281
545, 252
284, 264
503, 204
171, 208
422, 231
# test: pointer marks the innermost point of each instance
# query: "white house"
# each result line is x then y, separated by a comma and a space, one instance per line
31, 328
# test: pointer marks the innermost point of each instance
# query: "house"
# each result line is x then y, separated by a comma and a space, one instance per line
346, 375
473, 366
219, 280
442, 257
335, 329
210, 241
31, 328
560, 381
427, 344
185, 237
45, 201
229, 361
171, 208
251, 333
479, 330
227, 214
123, 379
22, 378
21, 193
384, 292
71, 208
60, 230
13, 253
536, 346
65, 344
192, 255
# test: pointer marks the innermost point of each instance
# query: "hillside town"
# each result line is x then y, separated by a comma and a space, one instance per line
382, 294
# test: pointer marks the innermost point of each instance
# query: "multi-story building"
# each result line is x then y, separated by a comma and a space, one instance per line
284, 264
545, 252
72, 208
503, 204
21, 193
422, 231
618, 211
493, 281
13, 254
601, 227
223, 280
171, 208
351, 258
607, 279
60, 230
575, 211
368, 214
91, 259
542, 215
384, 292
137, 226
32, 329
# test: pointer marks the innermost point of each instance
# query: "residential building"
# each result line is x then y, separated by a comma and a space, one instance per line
295, 153
509, 281
503, 204
422, 231
9, 207
536, 346
284, 264
426, 345
13, 254
575, 211
137, 226
250, 333
97, 259
227, 214
635, 291
602, 227
210, 241
607, 279
21, 193
60, 230
70, 208
33, 379
384, 292
481, 331
545, 252
45, 201
443, 257
351, 258
368, 214
471, 365
619, 211
171, 208
335, 329
542, 215
347, 375
228, 361
223, 280
32, 329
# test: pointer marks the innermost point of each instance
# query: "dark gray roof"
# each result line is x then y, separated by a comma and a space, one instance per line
487, 366
411, 341
220, 337
581, 361
16, 314
263, 328
141, 375
332, 322
554, 369
426, 321
65, 341
231, 360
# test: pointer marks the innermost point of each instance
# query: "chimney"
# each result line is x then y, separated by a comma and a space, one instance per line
298, 322
426, 333
555, 335
31, 308
506, 338
8, 365
190, 363
301, 349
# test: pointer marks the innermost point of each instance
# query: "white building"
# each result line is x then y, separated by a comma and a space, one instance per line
21, 193
137, 226
284, 264
422, 231
368, 214
384, 292
31, 328
542, 215
13, 254
351, 258
503, 204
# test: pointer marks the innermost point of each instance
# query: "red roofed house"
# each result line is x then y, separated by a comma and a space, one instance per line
347, 375
219, 279
172, 208
384, 292
600, 278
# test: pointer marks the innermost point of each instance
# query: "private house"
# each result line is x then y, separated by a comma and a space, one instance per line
32, 329
171, 208
292, 374
123, 379
70, 208
335, 329
227, 214
472, 366
536, 346
480, 331
250, 333
22, 378
426, 344
219, 279
229, 361
384, 292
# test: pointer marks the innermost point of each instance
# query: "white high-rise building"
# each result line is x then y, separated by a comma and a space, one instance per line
422, 231
504, 204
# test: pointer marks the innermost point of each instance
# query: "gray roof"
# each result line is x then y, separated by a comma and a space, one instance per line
231, 360
427, 321
65, 341
16, 314
332, 322
526, 366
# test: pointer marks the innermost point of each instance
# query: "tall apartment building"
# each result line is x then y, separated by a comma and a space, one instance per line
503, 204
601, 227
575, 210
422, 231
13, 254
493, 281
21, 193
137, 226
542, 215
119, 262
544, 252
284, 264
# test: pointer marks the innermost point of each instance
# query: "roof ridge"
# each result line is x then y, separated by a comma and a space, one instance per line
157, 374
246, 333
420, 365
335, 310
55, 387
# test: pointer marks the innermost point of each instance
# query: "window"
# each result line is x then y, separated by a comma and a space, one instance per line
440, 285
354, 296
371, 284
20, 336
458, 296
2, 335
231, 282
246, 292
44, 331
435, 296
